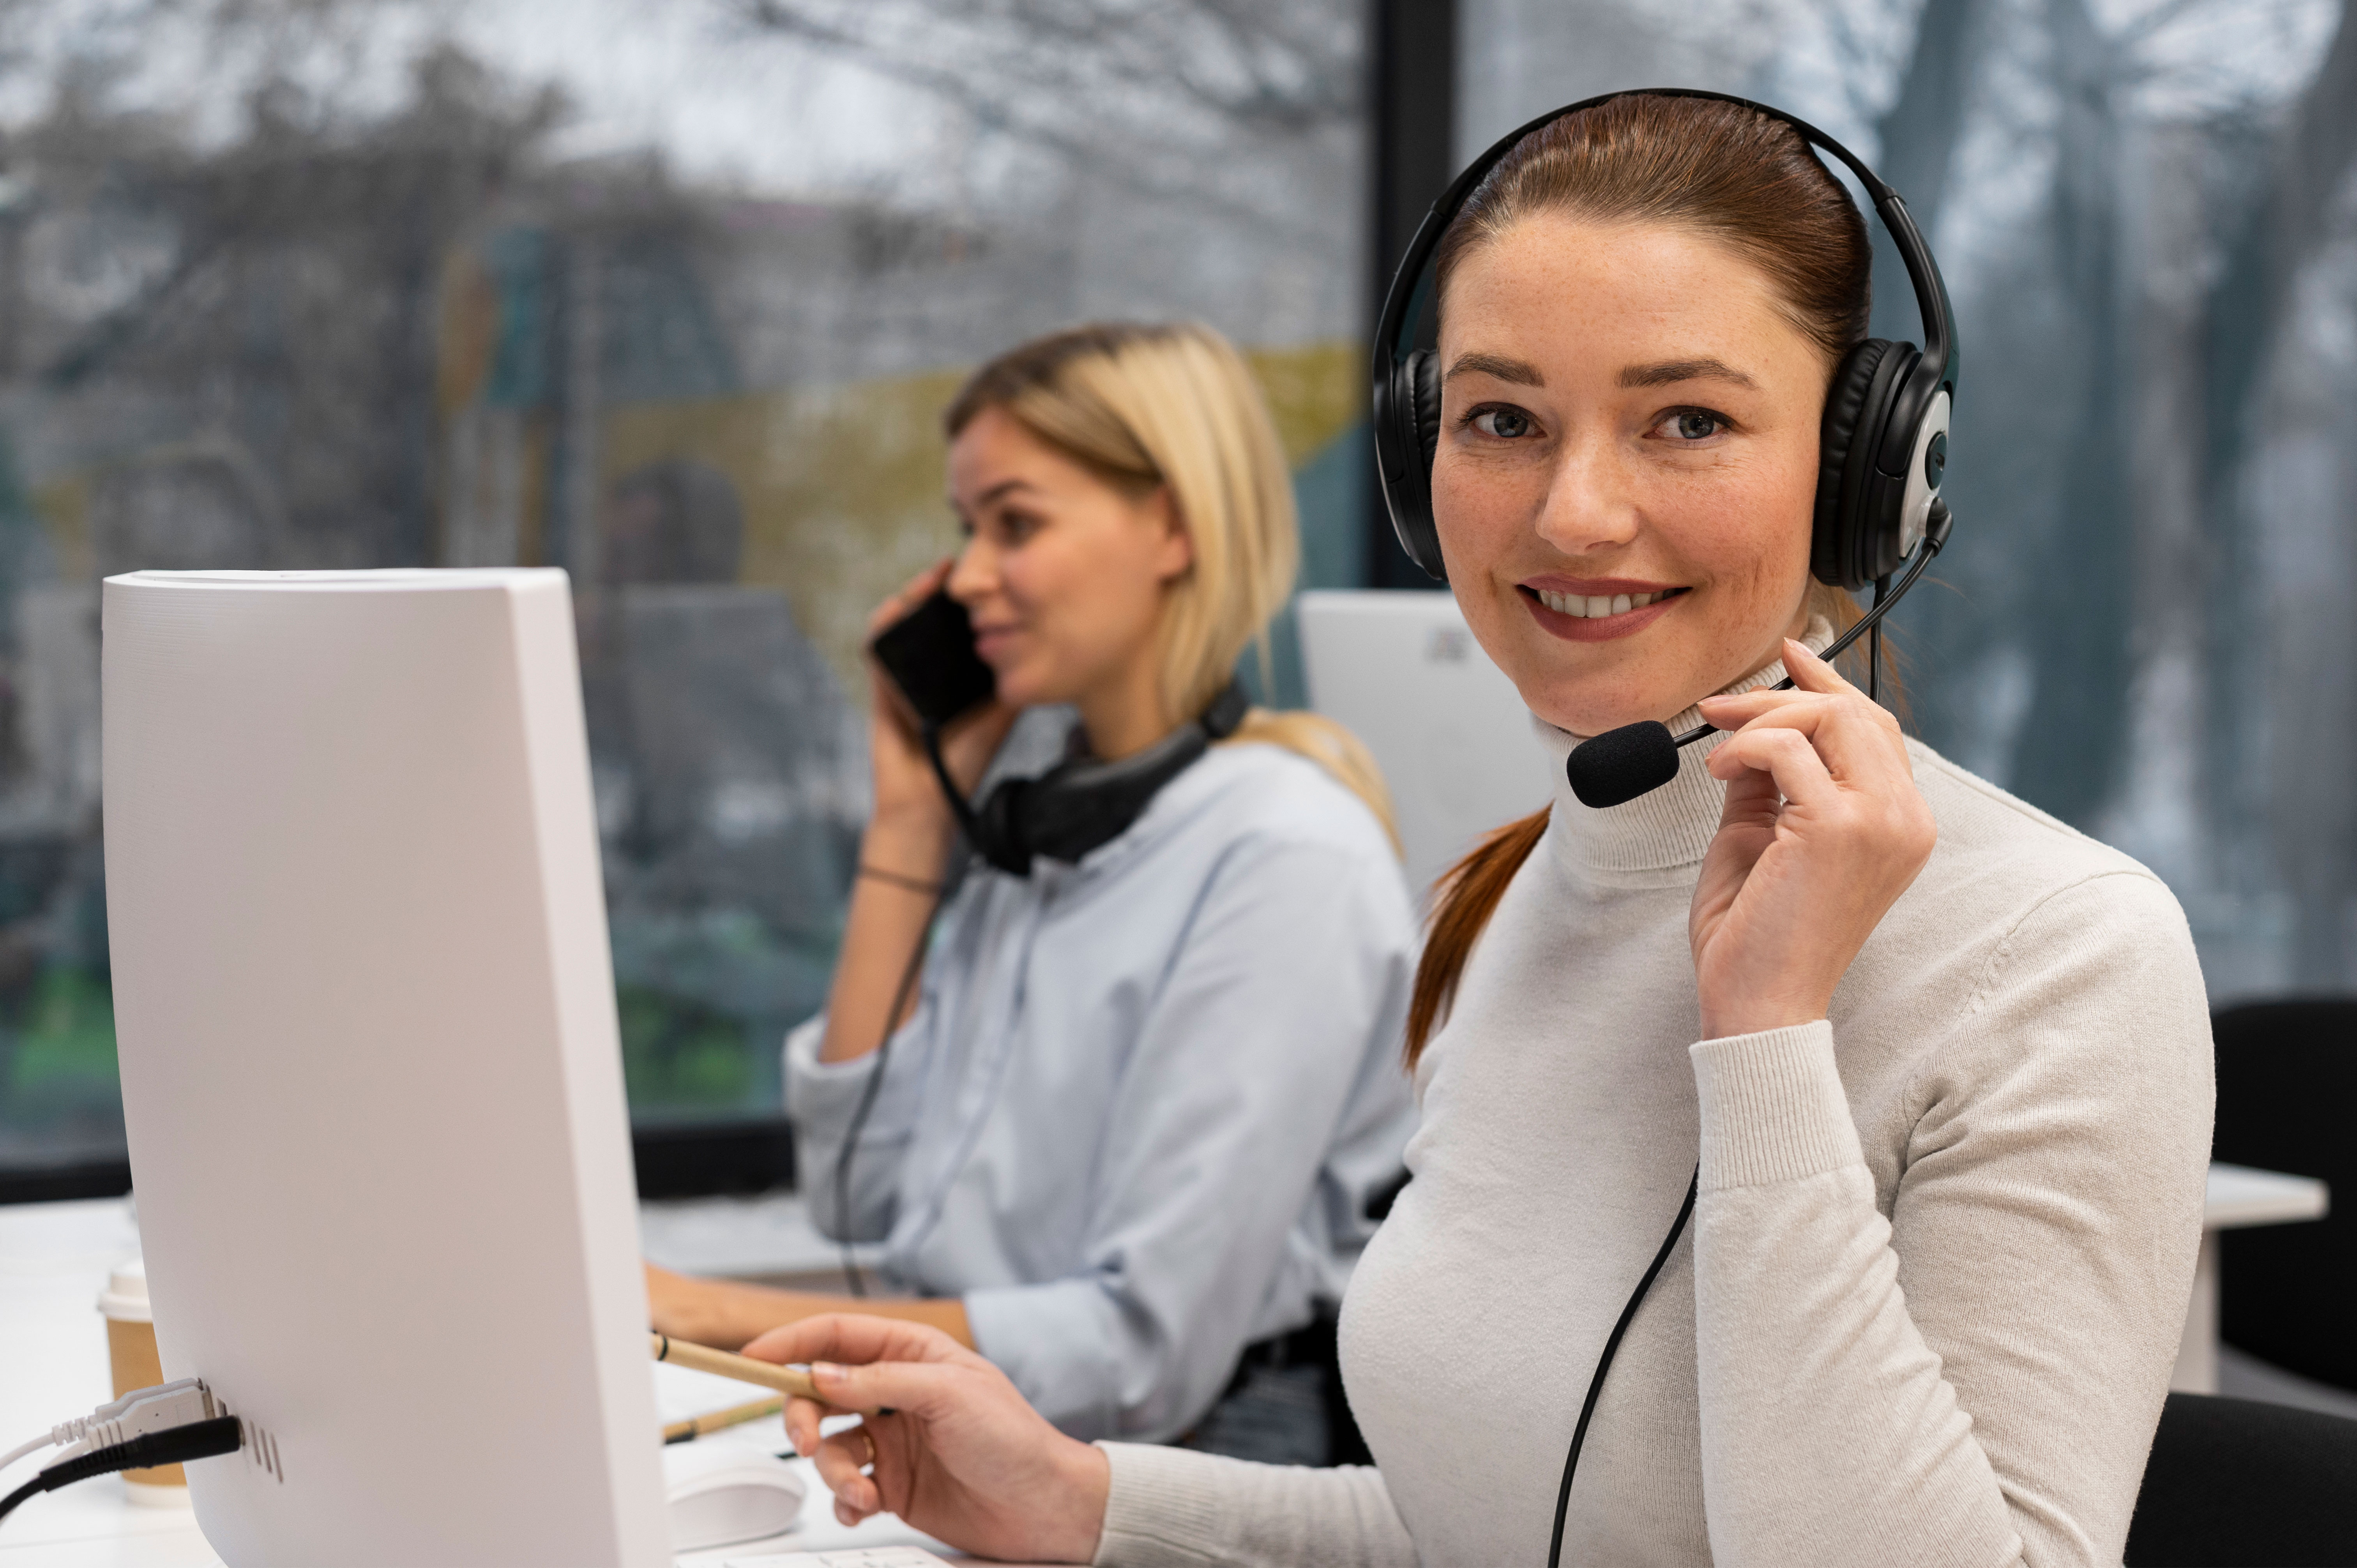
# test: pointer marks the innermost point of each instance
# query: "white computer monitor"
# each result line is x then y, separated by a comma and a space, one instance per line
370, 1074
1449, 731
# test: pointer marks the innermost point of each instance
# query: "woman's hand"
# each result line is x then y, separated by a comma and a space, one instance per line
908, 797
1824, 830
959, 1454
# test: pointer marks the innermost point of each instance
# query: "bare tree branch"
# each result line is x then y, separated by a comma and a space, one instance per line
1147, 93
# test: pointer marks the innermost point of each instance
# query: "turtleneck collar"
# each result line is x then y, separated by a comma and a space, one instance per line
1670, 827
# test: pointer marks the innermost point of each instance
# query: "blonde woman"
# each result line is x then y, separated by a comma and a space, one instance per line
1135, 1110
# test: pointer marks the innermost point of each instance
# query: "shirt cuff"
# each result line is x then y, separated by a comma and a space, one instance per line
1163, 1510
827, 1090
1773, 1107
1054, 1342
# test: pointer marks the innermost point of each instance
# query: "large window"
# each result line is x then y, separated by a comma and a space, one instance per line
2147, 621
668, 296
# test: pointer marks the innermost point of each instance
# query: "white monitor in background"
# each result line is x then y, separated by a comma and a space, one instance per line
369, 1064
1450, 733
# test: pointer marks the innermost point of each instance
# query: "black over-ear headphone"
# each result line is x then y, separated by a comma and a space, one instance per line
1882, 452
1081, 803
1885, 442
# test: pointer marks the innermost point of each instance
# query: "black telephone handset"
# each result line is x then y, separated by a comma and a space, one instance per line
929, 653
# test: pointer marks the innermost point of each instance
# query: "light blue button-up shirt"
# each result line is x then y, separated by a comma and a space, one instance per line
1138, 1113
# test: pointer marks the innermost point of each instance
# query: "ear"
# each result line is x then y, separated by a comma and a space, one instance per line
1175, 556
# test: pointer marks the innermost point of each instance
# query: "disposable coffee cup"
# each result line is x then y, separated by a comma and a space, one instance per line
131, 1348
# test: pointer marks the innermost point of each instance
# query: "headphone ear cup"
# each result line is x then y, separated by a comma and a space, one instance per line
1858, 403
1424, 369
1414, 408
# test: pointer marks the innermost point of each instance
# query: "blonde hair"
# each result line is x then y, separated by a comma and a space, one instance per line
1175, 407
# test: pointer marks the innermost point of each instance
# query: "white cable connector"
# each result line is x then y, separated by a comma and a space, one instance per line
135, 1414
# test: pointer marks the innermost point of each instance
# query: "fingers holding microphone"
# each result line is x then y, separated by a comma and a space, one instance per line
1823, 830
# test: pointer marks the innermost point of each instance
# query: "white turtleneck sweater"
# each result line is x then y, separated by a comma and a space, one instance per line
1927, 1304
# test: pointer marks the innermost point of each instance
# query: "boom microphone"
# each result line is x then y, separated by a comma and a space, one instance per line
1620, 765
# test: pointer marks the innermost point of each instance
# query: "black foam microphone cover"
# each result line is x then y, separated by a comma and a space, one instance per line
1621, 764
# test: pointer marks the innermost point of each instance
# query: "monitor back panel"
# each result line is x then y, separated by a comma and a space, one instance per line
1449, 731
369, 1064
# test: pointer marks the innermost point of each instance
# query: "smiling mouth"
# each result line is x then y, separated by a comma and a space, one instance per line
1595, 606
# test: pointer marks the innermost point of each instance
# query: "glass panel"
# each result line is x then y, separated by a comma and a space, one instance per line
673, 300
2147, 623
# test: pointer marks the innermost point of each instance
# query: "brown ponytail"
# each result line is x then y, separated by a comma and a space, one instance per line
1462, 903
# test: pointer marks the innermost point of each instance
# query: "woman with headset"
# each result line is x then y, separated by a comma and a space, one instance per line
1131, 1105
1851, 1114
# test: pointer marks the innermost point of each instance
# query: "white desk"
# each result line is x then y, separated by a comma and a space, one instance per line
2238, 1196
53, 1260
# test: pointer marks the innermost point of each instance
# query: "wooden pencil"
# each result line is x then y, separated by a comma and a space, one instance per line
720, 1420
744, 1369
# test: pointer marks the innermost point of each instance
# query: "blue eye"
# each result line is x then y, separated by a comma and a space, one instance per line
1506, 424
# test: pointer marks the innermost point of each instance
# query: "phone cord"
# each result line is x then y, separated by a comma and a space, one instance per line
851, 1280
1604, 1365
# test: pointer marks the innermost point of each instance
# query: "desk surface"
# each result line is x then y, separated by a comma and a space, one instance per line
53, 1260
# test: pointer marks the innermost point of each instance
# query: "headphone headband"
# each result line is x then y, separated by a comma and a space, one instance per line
1411, 292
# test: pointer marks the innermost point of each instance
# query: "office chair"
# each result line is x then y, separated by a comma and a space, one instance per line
2287, 1076
2237, 1484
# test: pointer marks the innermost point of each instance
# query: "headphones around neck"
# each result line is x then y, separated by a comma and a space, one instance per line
1884, 444
1081, 803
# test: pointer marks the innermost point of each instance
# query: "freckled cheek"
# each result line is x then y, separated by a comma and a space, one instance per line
1752, 539
1476, 517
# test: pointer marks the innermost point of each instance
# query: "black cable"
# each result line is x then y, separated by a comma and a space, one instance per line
883, 1053
198, 1440
852, 1282
1874, 644
1604, 1365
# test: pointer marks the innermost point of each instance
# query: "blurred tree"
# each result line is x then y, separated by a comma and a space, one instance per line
1137, 91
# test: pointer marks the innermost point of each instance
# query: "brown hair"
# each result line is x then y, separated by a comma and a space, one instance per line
1721, 170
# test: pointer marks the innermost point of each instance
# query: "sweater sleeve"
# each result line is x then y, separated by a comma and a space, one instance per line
1171, 1508
1976, 1378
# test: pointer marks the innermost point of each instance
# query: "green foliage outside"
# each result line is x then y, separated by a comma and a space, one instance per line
57, 1053
679, 1056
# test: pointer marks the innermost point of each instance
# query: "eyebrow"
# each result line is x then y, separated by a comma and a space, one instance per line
1519, 371
1671, 371
997, 492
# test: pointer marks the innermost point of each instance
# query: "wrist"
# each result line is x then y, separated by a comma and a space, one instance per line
1757, 1015
911, 841
1087, 1482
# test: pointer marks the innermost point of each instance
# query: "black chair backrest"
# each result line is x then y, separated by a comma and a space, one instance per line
2286, 1077
2237, 1484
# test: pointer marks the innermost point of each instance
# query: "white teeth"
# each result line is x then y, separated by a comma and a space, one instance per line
1587, 606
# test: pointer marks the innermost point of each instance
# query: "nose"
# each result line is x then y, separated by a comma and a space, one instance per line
1590, 503
975, 576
